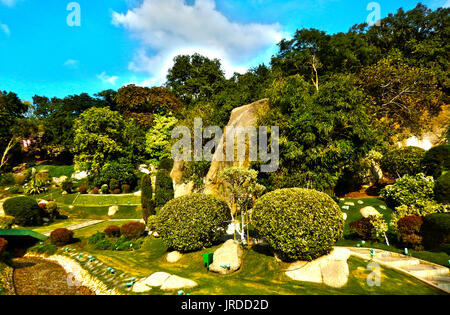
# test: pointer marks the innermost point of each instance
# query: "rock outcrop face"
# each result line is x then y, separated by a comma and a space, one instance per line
369, 211
228, 258
244, 116
331, 269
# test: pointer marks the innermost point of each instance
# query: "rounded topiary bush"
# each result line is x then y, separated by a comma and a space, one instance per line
192, 222
436, 230
437, 160
112, 231
132, 230
61, 237
25, 210
442, 188
299, 224
403, 161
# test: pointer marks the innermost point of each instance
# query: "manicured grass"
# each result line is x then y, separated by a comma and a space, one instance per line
350, 239
88, 231
57, 170
107, 200
55, 225
260, 274
101, 213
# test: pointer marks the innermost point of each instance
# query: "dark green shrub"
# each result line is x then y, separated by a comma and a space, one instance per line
442, 188
148, 204
97, 237
166, 164
193, 221
3, 244
437, 160
45, 248
25, 210
61, 237
132, 230
121, 171
104, 244
298, 223
67, 186
436, 230
403, 161
7, 179
163, 188
408, 190
105, 189
114, 185
112, 231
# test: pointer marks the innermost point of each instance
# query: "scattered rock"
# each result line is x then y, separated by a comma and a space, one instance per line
344, 215
144, 169
155, 234
360, 202
345, 207
80, 175
368, 211
383, 207
20, 178
230, 255
175, 283
113, 210
64, 193
59, 180
157, 279
174, 256
138, 193
349, 203
331, 269
140, 287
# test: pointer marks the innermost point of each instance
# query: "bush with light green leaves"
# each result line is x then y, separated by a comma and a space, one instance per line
299, 224
193, 222
408, 190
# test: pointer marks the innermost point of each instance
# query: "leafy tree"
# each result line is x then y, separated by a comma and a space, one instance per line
158, 138
98, 137
142, 103
321, 132
405, 97
163, 188
195, 77
148, 204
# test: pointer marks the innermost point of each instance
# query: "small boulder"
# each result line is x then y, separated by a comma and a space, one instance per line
175, 283
174, 256
228, 258
349, 203
80, 175
335, 273
344, 215
138, 193
141, 286
157, 279
360, 202
369, 211
113, 210
57, 181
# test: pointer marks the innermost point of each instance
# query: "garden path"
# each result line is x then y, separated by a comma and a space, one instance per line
432, 274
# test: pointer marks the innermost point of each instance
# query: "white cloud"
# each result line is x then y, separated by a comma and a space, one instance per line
167, 28
71, 63
5, 29
107, 79
9, 3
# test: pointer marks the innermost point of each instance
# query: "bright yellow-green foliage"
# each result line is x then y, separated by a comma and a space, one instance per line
299, 224
158, 138
193, 221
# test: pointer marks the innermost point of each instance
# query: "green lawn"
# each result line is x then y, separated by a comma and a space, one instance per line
260, 273
107, 200
57, 170
353, 214
55, 225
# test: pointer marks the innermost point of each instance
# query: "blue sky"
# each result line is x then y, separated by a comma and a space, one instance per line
134, 41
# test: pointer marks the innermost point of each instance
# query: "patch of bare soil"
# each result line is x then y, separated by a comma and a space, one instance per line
34, 276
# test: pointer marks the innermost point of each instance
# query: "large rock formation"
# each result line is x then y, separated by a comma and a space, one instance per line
244, 116
228, 258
